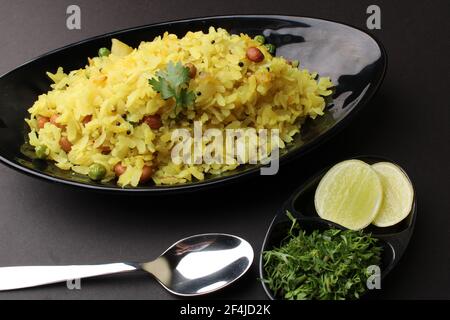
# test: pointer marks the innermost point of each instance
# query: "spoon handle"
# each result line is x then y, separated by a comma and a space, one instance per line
24, 277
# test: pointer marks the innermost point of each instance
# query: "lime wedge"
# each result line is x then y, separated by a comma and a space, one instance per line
350, 194
398, 194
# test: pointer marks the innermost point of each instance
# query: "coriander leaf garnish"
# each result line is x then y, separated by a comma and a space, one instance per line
161, 86
173, 83
185, 98
177, 74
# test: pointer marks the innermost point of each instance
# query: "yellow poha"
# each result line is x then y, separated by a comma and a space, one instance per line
99, 110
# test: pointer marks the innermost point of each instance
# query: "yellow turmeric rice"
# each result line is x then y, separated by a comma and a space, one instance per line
108, 114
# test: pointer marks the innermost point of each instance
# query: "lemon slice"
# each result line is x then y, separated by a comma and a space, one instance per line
398, 194
350, 194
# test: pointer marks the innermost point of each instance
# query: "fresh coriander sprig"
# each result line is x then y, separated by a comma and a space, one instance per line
173, 82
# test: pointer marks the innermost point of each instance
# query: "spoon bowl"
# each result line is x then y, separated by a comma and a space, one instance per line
201, 264
193, 266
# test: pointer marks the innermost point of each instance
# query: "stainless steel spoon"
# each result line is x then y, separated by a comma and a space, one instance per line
193, 266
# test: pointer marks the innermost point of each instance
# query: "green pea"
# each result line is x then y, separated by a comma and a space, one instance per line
41, 152
97, 172
104, 52
295, 63
271, 48
260, 38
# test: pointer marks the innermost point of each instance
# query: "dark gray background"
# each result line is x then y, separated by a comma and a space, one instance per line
407, 121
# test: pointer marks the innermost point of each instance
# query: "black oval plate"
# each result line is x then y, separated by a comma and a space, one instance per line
394, 239
354, 60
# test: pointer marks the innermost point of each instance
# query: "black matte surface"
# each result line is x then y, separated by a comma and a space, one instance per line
407, 121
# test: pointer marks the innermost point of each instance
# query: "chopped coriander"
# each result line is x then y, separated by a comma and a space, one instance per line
328, 265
